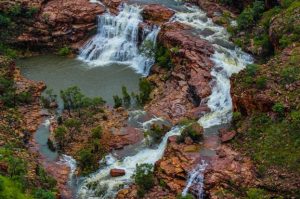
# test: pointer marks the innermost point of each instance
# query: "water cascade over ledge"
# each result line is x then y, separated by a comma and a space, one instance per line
117, 41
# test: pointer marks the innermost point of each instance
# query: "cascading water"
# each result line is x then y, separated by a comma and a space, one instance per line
101, 185
228, 59
196, 178
117, 41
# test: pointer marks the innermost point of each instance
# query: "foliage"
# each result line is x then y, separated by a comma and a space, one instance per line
47, 181
156, 132
5, 50
279, 108
48, 98
117, 101
97, 132
147, 49
144, 178
251, 69
286, 3
64, 51
255, 193
43, 194
145, 88
31, 11
126, 97
4, 21
163, 57
192, 131
261, 82
86, 161
73, 99
250, 15
11, 190
60, 136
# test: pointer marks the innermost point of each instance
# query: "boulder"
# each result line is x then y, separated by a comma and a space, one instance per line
117, 172
157, 14
227, 135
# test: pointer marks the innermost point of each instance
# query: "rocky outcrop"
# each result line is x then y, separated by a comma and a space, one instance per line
113, 5
186, 87
61, 22
226, 169
156, 14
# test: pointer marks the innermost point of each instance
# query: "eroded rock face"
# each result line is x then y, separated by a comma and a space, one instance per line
61, 22
157, 14
182, 94
113, 5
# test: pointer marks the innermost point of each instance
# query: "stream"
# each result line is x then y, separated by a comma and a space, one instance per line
112, 59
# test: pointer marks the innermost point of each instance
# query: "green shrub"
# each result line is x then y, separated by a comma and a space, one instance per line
250, 15
117, 101
144, 178
254, 193
147, 48
24, 97
64, 51
31, 11
290, 74
86, 160
286, 3
145, 88
15, 10
4, 21
279, 108
60, 136
261, 82
11, 189
97, 132
251, 69
163, 57
126, 97
194, 131
156, 132
43, 194
47, 181
5, 50
227, 2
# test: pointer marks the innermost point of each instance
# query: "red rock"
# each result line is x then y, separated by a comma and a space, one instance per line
157, 14
117, 172
227, 136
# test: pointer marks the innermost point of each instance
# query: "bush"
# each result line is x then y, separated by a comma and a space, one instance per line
6, 50
156, 132
279, 108
145, 88
117, 101
286, 3
261, 82
250, 15
163, 57
194, 131
144, 178
64, 51
86, 160
97, 132
255, 193
251, 69
126, 97
15, 10
43, 194
290, 74
4, 21
31, 11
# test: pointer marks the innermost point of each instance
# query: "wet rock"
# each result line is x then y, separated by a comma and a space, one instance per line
157, 14
117, 172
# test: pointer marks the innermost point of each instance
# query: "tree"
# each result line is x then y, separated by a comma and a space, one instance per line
144, 178
118, 101
126, 97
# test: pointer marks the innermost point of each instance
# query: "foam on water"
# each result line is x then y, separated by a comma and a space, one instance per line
228, 59
102, 180
117, 41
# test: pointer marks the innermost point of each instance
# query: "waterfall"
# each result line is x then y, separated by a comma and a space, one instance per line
117, 41
196, 178
101, 185
228, 59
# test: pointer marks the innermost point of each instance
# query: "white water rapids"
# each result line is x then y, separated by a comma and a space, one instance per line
117, 41
228, 59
